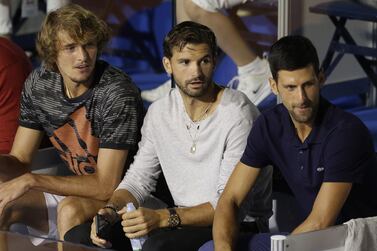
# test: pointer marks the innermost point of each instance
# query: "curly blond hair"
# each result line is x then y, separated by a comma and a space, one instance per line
80, 24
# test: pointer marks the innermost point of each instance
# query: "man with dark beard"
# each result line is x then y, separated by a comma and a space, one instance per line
194, 135
325, 154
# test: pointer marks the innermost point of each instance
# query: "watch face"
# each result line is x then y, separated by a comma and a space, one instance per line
174, 220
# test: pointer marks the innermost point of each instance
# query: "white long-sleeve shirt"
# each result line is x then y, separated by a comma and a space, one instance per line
200, 177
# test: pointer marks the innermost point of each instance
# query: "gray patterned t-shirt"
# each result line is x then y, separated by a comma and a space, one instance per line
108, 115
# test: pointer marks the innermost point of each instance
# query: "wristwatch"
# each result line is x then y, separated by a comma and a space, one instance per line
174, 221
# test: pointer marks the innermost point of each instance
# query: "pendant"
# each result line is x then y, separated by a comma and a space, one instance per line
193, 148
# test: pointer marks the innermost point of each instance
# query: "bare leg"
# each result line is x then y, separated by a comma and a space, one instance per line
73, 211
226, 33
180, 11
30, 209
52, 5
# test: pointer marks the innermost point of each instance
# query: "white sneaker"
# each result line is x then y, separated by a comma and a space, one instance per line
255, 86
156, 93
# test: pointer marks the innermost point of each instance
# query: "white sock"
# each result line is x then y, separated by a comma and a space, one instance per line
254, 67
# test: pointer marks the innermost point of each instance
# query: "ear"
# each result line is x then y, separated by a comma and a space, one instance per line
321, 78
167, 65
273, 86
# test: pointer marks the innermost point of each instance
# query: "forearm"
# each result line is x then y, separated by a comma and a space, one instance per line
143, 220
225, 225
200, 215
11, 164
88, 186
313, 223
121, 197
326, 208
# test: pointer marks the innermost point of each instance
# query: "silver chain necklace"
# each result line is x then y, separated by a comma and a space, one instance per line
195, 125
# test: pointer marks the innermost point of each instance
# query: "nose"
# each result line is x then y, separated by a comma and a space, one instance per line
302, 94
82, 52
197, 70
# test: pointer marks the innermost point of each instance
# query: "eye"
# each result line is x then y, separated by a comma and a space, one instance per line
290, 87
70, 48
206, 61
184, 61
309, 84
90, 45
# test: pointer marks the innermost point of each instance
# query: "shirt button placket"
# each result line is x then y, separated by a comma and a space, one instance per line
300, 159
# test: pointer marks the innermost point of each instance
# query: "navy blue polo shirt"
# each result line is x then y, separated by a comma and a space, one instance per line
338, 149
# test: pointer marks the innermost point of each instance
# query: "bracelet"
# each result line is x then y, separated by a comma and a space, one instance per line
112, 207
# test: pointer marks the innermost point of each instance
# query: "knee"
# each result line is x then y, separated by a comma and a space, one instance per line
68, 210
68, 214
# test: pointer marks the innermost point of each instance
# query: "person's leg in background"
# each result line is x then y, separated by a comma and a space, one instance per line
253, 72
5, 19
156, 93
55, 4
6, 27
227, 34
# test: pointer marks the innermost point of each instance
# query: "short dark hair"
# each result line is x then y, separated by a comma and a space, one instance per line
189, 32
292, 53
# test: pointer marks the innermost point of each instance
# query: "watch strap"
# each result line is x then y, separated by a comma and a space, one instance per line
112, 207
174, 220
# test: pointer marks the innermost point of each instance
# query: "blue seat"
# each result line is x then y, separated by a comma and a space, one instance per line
368, 116
137, 46
339, 13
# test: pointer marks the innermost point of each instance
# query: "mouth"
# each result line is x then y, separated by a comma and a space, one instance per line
303, 109
196, 82
82, 66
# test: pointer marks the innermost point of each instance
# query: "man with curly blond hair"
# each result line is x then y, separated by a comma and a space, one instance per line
91, 112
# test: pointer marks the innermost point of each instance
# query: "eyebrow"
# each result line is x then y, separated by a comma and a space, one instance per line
186, 58
312, 80
68, 45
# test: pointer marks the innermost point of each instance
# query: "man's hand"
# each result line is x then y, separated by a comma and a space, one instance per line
13, 189
111, 216
141, 221
327, 205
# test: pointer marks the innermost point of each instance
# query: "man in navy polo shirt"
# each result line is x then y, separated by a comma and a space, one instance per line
325, 154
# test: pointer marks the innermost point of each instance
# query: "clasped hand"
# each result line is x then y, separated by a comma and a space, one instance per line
135, 224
